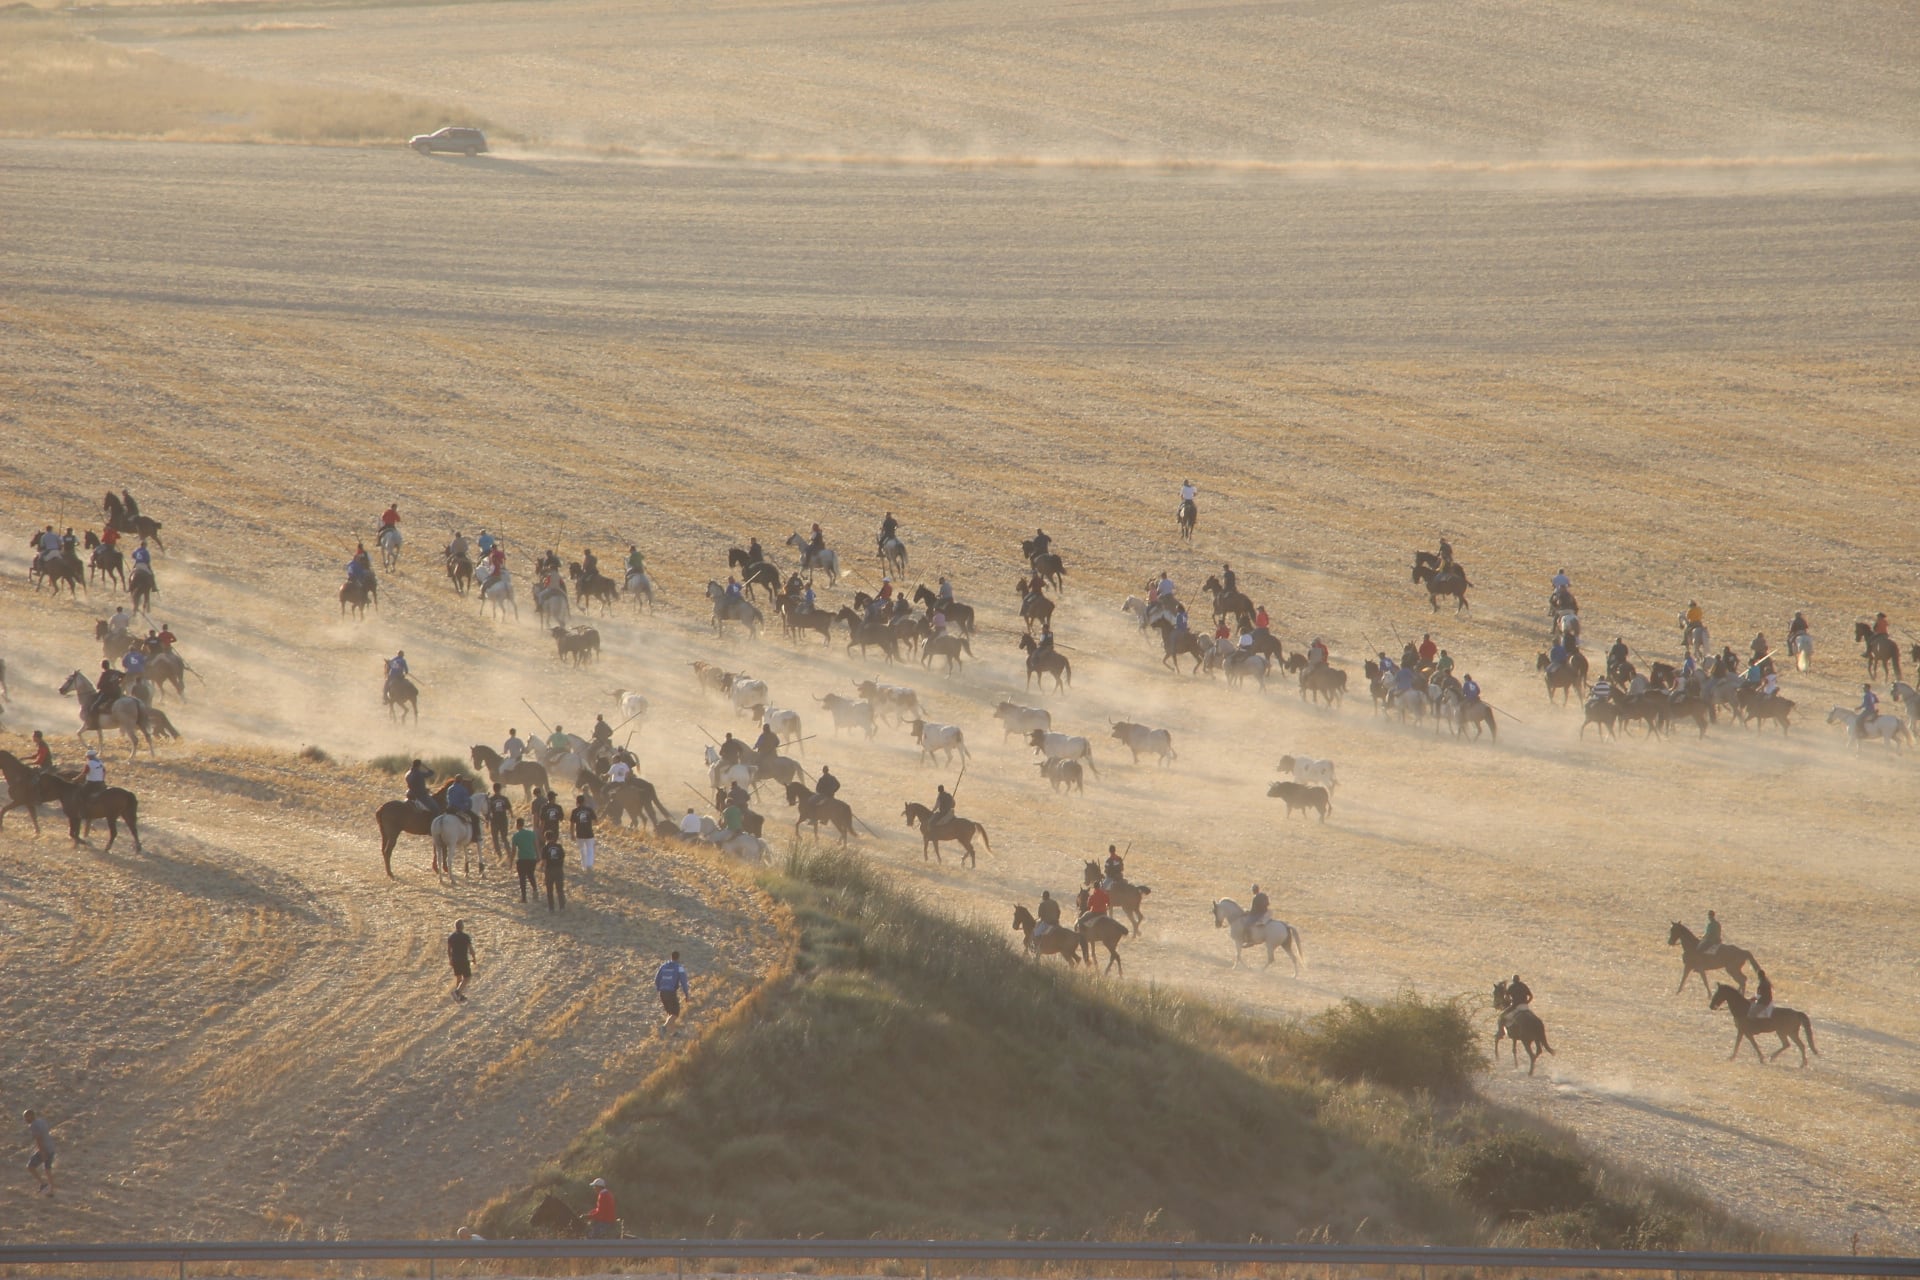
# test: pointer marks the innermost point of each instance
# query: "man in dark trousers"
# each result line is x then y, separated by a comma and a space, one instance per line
671, 983
553, 861
526, 856
499, 821
460, 956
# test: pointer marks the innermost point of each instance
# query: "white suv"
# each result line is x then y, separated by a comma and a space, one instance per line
466, 141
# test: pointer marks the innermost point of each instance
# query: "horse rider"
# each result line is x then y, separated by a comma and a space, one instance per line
1098, 903
1562, 584
1442, 668
1797, 628
1869, 706
117, 625
1165, 587
816, 544
1762, 1006
49, 543
1046, 640
1190, 493
457, 549
1221, 633
128, 505
828, 786
806, 599
737, 797
1116, 868
417, 779
559, 739
1048, 913
390, 518
1261, 622
485, 542
1710, 936
512, 749
107, 692
94, 780
888, 527
460, 801
793, 588
1602, 691
1557, 656
42, 753
497, 557
1180, 620
732, 751
165, 639
1403, 680
1879, 623
1040, 543
1518, 993
767, 745
109, 536
589, 565
1229, 579
1410, 656
945, 594
1427, 649
1470, 689
1317, 654
134, 660
357, 567
1770, 685
733, 588
397, 667
1695, 620
602, 735
942, 804
1446, 553
755, 553
1246, 641
1258, 909
68, 543
619, 769
636, 563
143, 558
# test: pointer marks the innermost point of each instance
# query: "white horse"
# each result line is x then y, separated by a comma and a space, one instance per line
723, 776
893, 556
1889, 730
638, 585
738, 843
551, 606
566, 761
1269, 933
823, 559
1801, 647
390, 541
451, 831
732, 609
497, 590
1905, 694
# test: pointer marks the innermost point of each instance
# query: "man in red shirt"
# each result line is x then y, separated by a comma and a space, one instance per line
1098, 904
109, 536
601, 1221
1427, 650
391, 516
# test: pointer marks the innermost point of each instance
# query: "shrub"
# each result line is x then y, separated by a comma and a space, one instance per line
392, 763
1407, 1043
1519, 1175
315, 755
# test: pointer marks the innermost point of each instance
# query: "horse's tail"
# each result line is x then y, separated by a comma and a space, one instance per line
1299, 945
1806, 1025
1543, 1040
983, 837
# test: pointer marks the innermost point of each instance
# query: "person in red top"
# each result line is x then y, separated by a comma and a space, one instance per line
498, 557
391, 516
1260, 618
1428, 649
1097, 902
1220, 632
109, 536
601, 1221
42, 756
1880, 625
165, 639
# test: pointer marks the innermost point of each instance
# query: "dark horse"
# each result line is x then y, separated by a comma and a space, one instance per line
961, 830
356, 594
1730, 958
1045, 664
126, 517
105, 561
1450, 581
1521, 1025
817, 809
23, 791
529, 775
1783, 1022
1187, 517
636, 799
115, 804
141, 587
1882, 653
1568, 678
755, 573
400, 696
1122, 894
958, 615
1175, 643
1058, 941
398, 818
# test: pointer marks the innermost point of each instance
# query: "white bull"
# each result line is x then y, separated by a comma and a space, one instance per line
939, 737
1311, 772
1015, 718
1060, 746
1138, 738
894, 700
747, 694
785, 724
632, 705
850, 713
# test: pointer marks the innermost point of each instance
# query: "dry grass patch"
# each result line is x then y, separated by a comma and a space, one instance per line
58, 82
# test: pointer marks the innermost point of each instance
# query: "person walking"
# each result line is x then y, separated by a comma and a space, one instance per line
582, 819
526, 856
41, 1164
460, 956
553, 861
671, 982
499, 816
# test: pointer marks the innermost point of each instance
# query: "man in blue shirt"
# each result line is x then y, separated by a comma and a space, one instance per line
671, 983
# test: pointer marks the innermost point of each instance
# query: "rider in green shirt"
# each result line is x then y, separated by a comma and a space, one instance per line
636, 563
1710, 938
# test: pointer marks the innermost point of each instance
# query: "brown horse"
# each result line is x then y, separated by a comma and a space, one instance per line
1123, 895
529, 775
1045, 663
1450, 581
398, 818
816, 809
1060, 941
1882, 653
23, 791
115, 804
1732, 959
1783, 1022
1105, 931
961, 830
1521, 1025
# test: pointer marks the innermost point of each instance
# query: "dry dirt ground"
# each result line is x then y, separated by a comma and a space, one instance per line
1675, 379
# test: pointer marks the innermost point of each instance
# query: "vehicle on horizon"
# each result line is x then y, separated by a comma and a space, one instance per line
468, 142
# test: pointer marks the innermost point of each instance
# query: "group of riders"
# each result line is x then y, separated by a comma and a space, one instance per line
1093, 900
57, 555
1424, 665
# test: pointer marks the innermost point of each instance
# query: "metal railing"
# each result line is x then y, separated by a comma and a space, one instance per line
927, 1252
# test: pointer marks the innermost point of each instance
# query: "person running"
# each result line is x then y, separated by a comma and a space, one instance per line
499, 816
582, 818
602, 1222
553, 862
526, 856
460, 956
41, 1163
670, 981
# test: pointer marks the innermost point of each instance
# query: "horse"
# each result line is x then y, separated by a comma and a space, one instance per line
127, 519
755, 573
1227, 602
1783, 1022
636, 798
529, 775
1755, 709
1521, 1025
1269, 933
949, 647
1187, 517
129, 715
959, 615
1882, 652
1121, 893
823, 559
141, 588
868, 635
105, 562
400, 696
459, 570
1800, 645
1326, 684
1176, 644
1475, 713
595, 586
1889, 730
398, 818
640, 586
23, 791
57, 568
1908, 697
1695, 641
550, 604
816, 809
893, 557
1732, 959
1103, 930
115, 804
1034, 607
1044, 664
1057, 941
356, 594
1439, 582
796, 617
450, 831
1568, 678
732, 609
960, 830
1048, 568
389, 539
496, 589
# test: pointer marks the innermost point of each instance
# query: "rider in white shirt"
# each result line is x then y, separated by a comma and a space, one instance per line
1188, 492
1561, 582
690, 825
513, 748
617, 772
